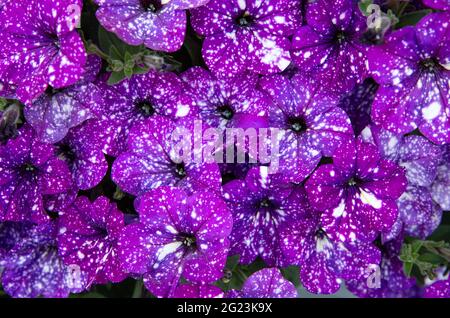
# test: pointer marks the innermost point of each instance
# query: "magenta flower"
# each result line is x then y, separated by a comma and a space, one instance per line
328, 47
88, 237
177, 236
159, 24
412, 69
39, 46
266, 283
29, 170
246, 35
357, 192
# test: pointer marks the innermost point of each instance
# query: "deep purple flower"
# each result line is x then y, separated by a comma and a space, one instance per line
10, 234
177, 237
266, 283
151, 161
438, 4
391, 283
439, 289
324, 261
53, 114
412, 69
227, 103
159, 24
312, 124
357, 192
418, 214
138, 98
34, 268
440, 188
81, 149
88, 237
198, 291
39, 46
29, 170
246, 35
328, 47
260, 206
358, 103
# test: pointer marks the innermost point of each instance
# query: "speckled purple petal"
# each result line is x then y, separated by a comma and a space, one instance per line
29, 170
177, 236
268, 283
198, 291
31, 58
87, 237
33, 267
148, 163
53, 115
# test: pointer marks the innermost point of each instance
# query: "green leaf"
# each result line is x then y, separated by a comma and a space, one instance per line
363, 5
407, 268
107, 40
115, 78
412, 18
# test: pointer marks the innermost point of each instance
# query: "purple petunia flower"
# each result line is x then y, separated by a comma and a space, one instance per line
260, 205
33, 267
159, 24
357, 104
392, 282
440, 188
266, 283
29, 170
39, 46
412, 69
10, 234
312, 124
438, 4
141, 97
227, 103
198, 291
418, 214
81, 149
323, 261
439, 289
151, 160
328, 47
88, 237
246, 35
357, 193
177, 237
53, 114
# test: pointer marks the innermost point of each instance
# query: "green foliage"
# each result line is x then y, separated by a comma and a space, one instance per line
425, 255
412, 18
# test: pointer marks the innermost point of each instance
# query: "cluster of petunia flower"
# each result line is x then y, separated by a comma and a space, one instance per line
364, 159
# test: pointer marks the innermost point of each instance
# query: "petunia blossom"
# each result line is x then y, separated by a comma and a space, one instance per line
246, 35
159, 24
177, 236
39, 46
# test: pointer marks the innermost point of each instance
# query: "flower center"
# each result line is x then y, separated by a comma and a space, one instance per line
66, 153
429, 64
266, 203
225, 112
297, 124
189, 241
28, 168
340, 37
354, 182
244, 20
145, 108
151, 5
180, 170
